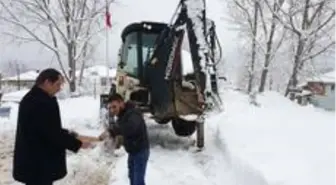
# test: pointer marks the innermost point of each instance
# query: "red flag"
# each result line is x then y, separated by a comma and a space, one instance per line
108, 18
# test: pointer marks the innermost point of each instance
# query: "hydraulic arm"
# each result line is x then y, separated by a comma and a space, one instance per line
190, 18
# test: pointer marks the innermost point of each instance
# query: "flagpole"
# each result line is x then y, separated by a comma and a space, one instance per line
107, 56
107, 48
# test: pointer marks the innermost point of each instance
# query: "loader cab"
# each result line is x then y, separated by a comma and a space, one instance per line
138, 42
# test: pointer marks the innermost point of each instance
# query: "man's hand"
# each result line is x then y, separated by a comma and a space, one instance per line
88, 138
85, 144
87, 141
103, 135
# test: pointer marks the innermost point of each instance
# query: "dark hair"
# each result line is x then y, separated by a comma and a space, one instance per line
115, 97
49, 74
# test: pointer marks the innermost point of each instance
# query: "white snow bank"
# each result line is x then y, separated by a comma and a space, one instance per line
15, 96
8, 123
80, 112
89, 166
287, 143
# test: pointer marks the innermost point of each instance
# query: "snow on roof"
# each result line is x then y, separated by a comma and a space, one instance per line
99, 70
326, 77
26, 76
305, 93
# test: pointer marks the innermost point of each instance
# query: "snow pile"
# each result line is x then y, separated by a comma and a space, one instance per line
89, 166
7, 123
80, 113
6, 153
288, 144
7, 133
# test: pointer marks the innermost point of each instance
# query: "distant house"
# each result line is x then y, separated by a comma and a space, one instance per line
99, 76
22, 81
319, 91
102, 72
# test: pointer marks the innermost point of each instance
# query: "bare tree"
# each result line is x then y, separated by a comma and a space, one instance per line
245, 14
260, 28
269, 30
254, 29
14, 67
65, 27
312, 25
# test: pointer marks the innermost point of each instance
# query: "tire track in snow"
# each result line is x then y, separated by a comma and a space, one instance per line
170, 162
173, 161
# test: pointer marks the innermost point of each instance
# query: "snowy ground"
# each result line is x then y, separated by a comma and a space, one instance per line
278, 143
288, 144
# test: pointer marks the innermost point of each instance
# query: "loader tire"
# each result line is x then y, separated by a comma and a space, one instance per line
163, 121
183, 127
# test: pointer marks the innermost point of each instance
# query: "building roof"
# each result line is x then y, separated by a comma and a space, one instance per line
26, 76
99, 70
326, 78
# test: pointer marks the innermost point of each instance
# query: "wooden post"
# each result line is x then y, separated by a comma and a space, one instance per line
0, 82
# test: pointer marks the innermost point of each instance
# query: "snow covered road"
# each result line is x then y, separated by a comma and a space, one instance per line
173, 159
278, 143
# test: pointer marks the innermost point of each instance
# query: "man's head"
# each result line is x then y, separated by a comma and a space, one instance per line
116, 104
50, 80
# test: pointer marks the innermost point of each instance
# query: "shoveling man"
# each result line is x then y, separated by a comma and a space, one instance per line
131, 126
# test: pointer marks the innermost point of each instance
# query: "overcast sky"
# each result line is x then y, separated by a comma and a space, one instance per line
123, 13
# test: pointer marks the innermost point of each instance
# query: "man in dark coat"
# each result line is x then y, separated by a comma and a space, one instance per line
131, 125
41, 142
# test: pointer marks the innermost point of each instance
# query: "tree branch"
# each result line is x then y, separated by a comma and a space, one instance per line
319, 52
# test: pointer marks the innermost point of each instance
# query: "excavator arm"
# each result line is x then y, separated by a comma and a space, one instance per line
190, 19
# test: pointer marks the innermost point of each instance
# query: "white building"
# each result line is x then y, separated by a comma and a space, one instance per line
97, 79
102, 72
322, 90
24, 80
